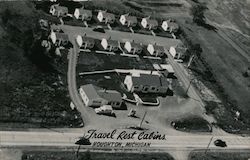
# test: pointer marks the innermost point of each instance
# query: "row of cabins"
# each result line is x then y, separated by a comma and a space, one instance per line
113, 46
84, 42
109, 18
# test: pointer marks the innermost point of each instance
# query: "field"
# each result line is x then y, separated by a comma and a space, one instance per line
213, 155
153, 8
226, 66
232, 14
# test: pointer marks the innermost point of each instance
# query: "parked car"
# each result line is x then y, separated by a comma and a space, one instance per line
105, 110
178, 60
83, 141
99, 29
220, 143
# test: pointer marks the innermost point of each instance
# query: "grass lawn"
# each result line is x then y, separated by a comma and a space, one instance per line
98, 62
192, 124
94, 156
213, 155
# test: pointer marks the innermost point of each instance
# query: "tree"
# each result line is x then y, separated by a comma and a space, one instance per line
198, 14
6, 15
196, 50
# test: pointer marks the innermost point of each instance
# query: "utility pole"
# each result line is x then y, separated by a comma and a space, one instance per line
190, 61
143, 119
209, 144
77, 152
189, 85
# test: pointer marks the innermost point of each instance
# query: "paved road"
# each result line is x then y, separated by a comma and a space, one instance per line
121, 36
67, 139
73, 91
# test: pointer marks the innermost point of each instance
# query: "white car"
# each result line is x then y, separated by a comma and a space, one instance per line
105, 109
178, 60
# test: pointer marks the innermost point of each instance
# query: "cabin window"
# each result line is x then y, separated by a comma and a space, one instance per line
136, 87
65, 42
145, 89
96, 101
153, 88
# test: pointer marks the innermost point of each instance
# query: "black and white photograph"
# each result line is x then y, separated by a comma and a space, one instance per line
124, 79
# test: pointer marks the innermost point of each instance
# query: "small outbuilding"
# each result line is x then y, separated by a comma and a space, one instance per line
106, 17
83, 14
167, 70
177, 52
156, 50
129, 21
113, 97
59, 11
133, 48
110, 45
170, 25
149, 23
85, 42
90, 97
59, 39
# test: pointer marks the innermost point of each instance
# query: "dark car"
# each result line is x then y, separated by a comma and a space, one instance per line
99, 29
83, 141
220, 143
